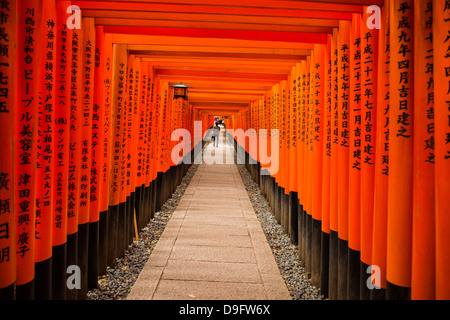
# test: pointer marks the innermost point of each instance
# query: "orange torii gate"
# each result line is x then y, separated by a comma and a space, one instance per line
354, 104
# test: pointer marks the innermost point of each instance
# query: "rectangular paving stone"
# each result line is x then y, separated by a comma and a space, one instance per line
192, 228
208, 290
209, 253
222, 221
213, 240
211, 271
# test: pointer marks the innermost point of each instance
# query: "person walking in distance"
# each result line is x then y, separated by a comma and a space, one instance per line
216, 133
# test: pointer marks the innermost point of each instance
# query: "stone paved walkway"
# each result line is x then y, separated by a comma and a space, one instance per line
213, 247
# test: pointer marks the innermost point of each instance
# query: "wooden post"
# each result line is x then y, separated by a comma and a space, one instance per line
343, 47
379, 234
369, 103
354, 187
7, 162
441, 54
423, 233
26, 107
400, 150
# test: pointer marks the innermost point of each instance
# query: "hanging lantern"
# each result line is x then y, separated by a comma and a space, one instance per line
180, 91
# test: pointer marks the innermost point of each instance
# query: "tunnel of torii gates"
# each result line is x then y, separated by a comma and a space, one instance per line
359, 93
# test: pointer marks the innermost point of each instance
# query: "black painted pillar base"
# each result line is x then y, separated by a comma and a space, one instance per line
113, 225
43, 280
395, 292
271, 193
153, 200
315, 251
103, 242
174, 178
378, 294
263, 186
324, 263
342, 268
59, 272
284, 198
25, 291
83, 251
8, 293
167, 183
127, 224
131, 212
333, 263
169, 174
286, 212
166, 186
258, 175
94, 228
301, 233
178, 175
353, 274
282, 209
158, 199
121, 229
364, 291
147, 205
138, 198
293, 217
72, 259
308, 241
277, 202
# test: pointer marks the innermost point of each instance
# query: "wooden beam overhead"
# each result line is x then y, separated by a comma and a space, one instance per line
231, 75
140, 41
227, 69
210, 18
231, 90
195, 101
217, 9
338, 6
226, 84
230, 52
349, 2
155, 60
296, 37
210, 105
214, 55
211, 25
190, 79
223, 96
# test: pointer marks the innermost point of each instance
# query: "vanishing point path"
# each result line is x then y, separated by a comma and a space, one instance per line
213, 247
